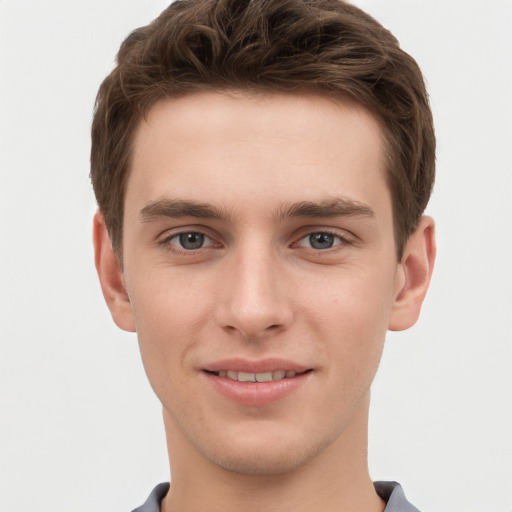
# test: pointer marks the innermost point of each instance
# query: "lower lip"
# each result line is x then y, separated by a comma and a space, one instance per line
256, 393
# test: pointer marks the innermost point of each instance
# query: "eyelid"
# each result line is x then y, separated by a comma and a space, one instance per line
169, 232
164, 239
178, 235
340, 238
343, 239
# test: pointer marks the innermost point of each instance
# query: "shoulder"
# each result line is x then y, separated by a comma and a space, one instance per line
152, 504
393, 494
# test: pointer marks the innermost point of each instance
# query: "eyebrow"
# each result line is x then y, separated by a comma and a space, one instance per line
338, 207
180, 208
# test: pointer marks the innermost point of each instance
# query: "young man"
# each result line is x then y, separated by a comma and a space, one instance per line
261, 169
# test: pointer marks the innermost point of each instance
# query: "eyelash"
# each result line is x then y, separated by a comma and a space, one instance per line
166, 242
341, 240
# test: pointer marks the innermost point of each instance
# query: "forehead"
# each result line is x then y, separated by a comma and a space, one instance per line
244, 151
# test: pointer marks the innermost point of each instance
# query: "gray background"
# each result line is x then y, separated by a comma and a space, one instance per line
80, 429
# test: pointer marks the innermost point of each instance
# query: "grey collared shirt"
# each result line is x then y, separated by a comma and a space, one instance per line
390, 492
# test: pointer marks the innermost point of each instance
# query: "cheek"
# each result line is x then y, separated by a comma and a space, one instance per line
169, 313
350, 314
167, 297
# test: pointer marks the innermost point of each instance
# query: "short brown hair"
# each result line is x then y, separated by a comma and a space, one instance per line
323, 46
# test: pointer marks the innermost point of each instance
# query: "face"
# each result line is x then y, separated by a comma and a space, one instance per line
260, 267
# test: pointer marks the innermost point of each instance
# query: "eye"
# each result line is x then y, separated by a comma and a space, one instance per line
322, 240
189, 241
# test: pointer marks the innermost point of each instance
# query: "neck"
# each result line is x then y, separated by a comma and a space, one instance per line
337, 479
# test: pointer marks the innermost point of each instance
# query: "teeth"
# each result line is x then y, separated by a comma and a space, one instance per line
246, 377
263, 377
256, 377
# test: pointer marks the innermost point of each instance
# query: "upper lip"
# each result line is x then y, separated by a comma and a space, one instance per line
255, 366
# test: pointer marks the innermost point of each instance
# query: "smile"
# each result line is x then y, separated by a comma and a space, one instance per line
262, 386
256, 377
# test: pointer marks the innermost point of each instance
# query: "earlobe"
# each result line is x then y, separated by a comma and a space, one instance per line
414, 273
111, 276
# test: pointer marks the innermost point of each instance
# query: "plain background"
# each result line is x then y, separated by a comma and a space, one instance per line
80, 429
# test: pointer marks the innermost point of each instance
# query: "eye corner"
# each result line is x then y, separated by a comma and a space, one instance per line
323, 240
187, 242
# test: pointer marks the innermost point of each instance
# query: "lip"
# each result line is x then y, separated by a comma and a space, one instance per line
255, 366
255, 393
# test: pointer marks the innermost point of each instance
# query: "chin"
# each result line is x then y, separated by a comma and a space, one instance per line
261, 462
265, 455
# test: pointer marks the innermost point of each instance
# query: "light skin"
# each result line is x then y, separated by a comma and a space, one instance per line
258, 232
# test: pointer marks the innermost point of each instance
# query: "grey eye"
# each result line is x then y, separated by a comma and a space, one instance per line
321, 240
191, 241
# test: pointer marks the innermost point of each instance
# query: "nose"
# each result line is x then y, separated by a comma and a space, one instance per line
255, 301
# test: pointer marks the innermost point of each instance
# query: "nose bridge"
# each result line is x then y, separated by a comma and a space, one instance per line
254, 299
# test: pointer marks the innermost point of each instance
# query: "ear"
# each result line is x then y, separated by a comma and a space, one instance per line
413, 276
111, 276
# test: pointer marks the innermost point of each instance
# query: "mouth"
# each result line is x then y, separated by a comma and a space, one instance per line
257, 384
268, 376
